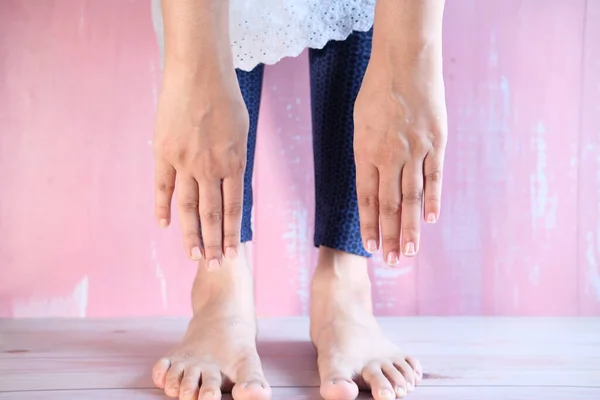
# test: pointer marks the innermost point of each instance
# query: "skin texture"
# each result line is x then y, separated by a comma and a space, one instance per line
401, 127
200, 144
201, 130
218, 351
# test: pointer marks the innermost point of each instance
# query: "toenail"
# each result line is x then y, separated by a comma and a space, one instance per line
409, 386
252, 384
386, 394
400, 391
209, 395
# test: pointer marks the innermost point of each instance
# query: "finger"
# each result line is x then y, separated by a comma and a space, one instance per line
390, 208
412, 203
367, 186
432, 171
164, 176
211, 221
187, 200
233, 195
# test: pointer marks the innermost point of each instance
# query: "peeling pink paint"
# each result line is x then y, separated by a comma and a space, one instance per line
520, 226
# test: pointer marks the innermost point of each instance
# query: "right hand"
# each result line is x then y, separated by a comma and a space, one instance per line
200, 141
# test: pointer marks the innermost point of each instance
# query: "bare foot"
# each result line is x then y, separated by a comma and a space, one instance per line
351, 347
219, 348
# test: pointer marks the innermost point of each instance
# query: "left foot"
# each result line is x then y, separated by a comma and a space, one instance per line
353, 352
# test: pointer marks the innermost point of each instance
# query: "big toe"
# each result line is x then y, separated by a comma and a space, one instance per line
336, 377
338, 388
250, 381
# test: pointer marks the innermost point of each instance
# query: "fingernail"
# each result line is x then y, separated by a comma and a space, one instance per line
196, 254
409, 249
392, 258
213, 264
163, 223
371, 246
400, 392
386, 394
431, 218
230, 253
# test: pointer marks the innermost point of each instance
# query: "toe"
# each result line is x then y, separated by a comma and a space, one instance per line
338, 388
211, 385
417, 368
336, 380
381, 388
395, 378
189, 384
407, 371
250, 380
159, 372
173, 379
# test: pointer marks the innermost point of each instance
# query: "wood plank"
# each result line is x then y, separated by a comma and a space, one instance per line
512, 69
422, 393
589, 168
105, 354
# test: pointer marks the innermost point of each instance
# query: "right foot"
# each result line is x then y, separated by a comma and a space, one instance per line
219, 348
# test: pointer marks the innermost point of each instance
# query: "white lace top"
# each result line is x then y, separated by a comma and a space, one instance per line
265, 31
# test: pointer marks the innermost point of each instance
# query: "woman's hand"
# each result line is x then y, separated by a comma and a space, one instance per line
200, 142
400, 138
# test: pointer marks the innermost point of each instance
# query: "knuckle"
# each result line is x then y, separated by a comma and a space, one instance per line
390, 242
412, 197
212, 248
230, 237
368, 227
410, 232
166, 187
212, 217
233, 209
368, 200
211, 166
434, 176
192, 237
188, 205
419, 144
390, 207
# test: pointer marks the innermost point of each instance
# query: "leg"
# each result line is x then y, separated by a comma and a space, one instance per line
219, 347
351, 347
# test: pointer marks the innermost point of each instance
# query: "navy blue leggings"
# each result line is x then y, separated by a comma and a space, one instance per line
336, 74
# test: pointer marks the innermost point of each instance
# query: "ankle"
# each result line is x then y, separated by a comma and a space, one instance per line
230, 283
345, 269
340, 283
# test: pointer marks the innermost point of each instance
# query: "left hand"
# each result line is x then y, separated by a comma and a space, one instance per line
399, 142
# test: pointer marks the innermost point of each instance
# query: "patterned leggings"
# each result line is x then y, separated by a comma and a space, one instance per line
336, 74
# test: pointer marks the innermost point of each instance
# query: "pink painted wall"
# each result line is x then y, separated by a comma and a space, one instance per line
520, 229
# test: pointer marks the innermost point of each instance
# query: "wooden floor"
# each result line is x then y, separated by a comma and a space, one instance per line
464, 358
